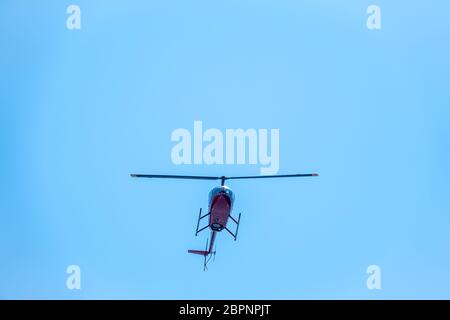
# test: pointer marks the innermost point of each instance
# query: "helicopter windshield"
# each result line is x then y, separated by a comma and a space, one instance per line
222, 189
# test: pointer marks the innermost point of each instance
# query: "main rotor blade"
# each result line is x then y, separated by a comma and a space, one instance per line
275, 176
168, 176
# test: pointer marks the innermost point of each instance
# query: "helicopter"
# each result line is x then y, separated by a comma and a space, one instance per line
220, 206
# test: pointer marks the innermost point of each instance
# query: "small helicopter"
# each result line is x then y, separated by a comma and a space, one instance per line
221, 199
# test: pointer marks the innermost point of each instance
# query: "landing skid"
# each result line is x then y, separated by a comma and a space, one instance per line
200, 217
234, 235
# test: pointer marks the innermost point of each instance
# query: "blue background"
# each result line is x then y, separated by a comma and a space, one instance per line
368, 110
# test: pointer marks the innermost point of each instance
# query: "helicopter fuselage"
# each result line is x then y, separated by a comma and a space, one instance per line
220, 206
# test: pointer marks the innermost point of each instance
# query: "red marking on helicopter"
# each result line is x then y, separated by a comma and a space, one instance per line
221, 199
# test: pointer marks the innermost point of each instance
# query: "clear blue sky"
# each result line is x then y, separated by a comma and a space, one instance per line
368, 110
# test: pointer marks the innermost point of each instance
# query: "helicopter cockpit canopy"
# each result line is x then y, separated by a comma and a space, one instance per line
224, 190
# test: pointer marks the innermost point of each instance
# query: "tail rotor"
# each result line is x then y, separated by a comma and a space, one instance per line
208, 255
205, 256
209, 252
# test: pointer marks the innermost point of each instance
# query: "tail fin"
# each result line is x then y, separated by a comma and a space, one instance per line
207, 252
200, 252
